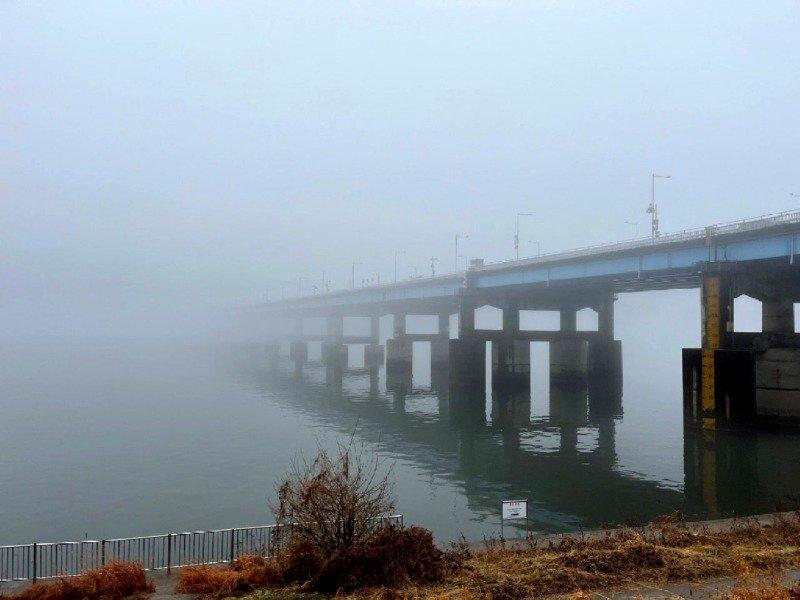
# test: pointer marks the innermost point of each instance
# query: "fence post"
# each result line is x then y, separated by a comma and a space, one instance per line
34, 561
103, 553
233, 546
169, 553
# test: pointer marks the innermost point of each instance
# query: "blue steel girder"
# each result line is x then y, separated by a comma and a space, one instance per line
640, 269
673, 261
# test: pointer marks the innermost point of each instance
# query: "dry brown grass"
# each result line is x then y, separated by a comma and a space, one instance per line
403, 564
667, 551
391, 558
113, 581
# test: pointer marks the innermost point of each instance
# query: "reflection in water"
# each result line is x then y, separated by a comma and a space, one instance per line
494, 446
130, 440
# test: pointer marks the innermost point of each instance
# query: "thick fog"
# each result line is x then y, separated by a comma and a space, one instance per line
161, 160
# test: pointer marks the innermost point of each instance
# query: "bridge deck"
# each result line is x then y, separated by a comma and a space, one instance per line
641, 264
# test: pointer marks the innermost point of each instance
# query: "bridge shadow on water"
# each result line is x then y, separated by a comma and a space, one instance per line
491, 446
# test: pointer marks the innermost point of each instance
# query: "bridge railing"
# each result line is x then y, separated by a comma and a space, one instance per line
153, 552
686, 235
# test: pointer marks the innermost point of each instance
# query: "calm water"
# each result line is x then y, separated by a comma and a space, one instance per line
116, 439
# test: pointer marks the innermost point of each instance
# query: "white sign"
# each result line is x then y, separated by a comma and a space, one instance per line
515, 509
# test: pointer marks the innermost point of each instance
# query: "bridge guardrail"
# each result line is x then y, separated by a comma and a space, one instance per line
154, 552
686, 235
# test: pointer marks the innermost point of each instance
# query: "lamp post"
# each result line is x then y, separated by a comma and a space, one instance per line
396, 254
459, 236
300, 286
353, 275
538, 247
516, 234
434, 260
652, 210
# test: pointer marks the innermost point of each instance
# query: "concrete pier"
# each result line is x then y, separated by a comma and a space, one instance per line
399, 354
373, 356
511, 364
568, 360
468, 363
737, 377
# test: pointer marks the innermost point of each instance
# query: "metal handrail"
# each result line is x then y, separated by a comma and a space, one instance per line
685, 235
47, 560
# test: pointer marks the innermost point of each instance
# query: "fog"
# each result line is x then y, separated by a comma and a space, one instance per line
163, 160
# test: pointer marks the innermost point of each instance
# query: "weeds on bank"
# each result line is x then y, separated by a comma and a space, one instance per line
666, 551
390, 558
114, 581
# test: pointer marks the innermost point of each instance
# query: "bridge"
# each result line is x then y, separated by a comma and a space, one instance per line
733, 376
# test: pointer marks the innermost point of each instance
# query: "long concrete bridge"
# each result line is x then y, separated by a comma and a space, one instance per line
733, 376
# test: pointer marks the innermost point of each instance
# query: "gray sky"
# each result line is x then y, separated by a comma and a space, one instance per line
199, 153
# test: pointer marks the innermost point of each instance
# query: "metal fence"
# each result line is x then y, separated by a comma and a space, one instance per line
686, 235
153, 552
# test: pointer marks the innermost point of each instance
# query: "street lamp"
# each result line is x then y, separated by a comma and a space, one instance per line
459, 236
538, 247
300, 286
353, 275
396, 254
434, 260
516, 235
652, 210
635, 225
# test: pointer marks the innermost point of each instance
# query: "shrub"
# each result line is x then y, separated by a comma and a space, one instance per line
332, 504
113, 581
390, 558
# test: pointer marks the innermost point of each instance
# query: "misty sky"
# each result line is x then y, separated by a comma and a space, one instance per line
200, 153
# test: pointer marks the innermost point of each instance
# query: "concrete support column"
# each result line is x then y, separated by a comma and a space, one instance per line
467, 354
440, 349
511, 364
777, 316
605, 317
298, 352
440, 354
444, 325
511, 319
466, 318
569, 319
399, 325
375, 329
373, 356
398, 363
568, 360
335, 328
334, 352
717, 332
399, 352
468, 363
334, 355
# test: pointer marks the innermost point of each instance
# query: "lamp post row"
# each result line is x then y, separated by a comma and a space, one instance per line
655, 232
